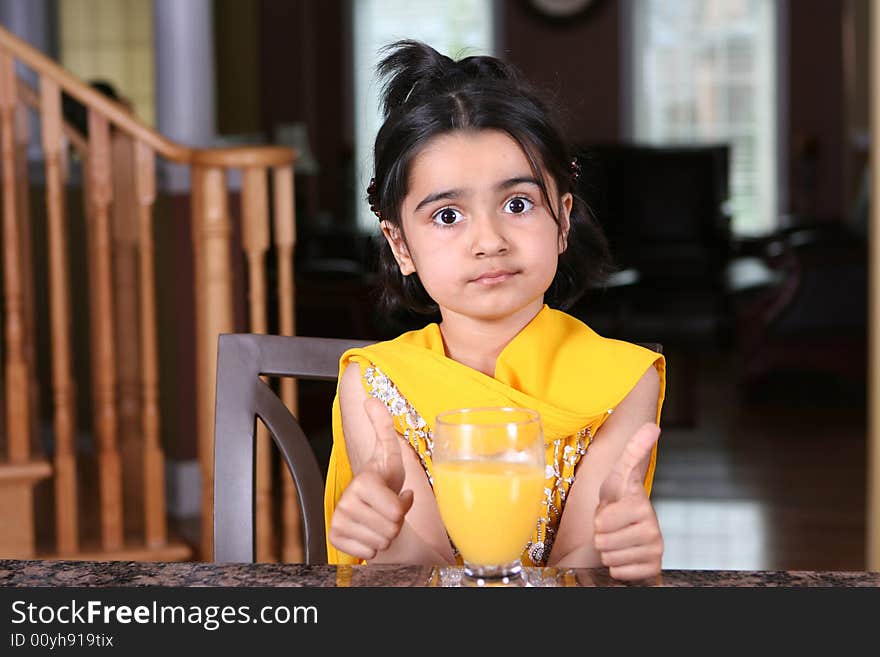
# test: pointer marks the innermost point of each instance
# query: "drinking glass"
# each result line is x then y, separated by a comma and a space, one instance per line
489, 482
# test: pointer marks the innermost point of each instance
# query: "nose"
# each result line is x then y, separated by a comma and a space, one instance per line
487, 237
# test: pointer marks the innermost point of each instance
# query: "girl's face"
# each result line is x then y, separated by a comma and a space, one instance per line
478, 230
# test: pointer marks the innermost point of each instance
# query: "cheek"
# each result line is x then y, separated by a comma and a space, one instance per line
434, 274
546, 254
548, 242
426, 252
435, 264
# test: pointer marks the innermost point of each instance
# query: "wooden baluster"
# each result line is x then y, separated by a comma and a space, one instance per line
214, 308
124, 231
18, 416
3, 437
103, 342
22, 143
197, 198
64, 159
63, 391
285, 239
19, 474
255, 239
155, 527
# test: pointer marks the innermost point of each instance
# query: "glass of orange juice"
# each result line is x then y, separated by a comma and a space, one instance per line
489, 481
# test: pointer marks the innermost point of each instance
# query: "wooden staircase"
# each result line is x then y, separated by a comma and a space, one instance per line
118, 158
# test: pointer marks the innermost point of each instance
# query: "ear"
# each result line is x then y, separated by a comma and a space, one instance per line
398, 247
565, 205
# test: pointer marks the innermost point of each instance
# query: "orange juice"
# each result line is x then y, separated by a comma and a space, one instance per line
489, 508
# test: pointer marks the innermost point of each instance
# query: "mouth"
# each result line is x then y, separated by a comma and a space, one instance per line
493, 277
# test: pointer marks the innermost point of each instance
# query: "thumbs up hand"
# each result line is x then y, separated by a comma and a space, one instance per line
386, 460
626, 533
372, 509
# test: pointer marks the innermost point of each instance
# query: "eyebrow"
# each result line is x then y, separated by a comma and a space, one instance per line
452, 194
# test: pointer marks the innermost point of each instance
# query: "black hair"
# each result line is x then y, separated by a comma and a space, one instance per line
76, 114
427, 94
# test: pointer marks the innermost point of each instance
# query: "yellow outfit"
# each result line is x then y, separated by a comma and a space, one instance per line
556, 365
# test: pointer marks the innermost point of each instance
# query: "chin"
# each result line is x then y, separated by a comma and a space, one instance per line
494, 309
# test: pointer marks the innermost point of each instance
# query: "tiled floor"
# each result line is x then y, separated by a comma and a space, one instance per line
714, 534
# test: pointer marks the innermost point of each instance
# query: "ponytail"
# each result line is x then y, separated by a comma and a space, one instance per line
413, 72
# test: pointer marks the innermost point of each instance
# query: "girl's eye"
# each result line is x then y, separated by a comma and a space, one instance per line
518, 205
447, 217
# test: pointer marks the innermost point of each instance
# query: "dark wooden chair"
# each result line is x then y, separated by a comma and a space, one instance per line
242, 397
811, 326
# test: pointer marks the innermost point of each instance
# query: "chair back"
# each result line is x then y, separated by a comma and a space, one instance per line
242, 397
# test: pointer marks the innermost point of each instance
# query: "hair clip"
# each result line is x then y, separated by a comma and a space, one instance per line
409, 93
575, 167
371, 197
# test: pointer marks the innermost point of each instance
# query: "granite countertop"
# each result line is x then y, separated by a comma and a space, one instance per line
191, 574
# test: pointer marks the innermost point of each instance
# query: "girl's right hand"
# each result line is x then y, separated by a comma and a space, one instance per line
372, 508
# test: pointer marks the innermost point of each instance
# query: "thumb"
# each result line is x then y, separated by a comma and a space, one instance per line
406, 499
386, 459
625, 477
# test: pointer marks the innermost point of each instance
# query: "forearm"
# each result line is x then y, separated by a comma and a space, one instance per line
574, 543
410, 548
578, 556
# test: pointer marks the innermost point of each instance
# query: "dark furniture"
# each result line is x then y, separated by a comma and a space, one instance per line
242, 397
336, 283
663, 210
814, 319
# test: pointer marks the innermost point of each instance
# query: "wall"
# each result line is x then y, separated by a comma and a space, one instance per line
238, 90
302, 77
578, 63
816, 108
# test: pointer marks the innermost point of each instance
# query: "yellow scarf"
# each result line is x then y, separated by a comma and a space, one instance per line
556, 365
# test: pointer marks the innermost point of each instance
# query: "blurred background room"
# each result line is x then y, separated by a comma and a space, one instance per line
151, 200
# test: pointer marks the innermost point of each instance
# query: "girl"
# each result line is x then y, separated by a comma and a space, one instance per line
474, 191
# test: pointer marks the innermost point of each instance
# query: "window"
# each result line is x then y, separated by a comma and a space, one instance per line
453, 27
705, 71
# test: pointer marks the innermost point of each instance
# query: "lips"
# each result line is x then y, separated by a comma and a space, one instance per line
494, 276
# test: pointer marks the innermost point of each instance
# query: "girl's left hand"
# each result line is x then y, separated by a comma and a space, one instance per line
626, 531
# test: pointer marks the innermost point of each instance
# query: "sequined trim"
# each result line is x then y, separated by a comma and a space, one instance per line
559, 476
412, 425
